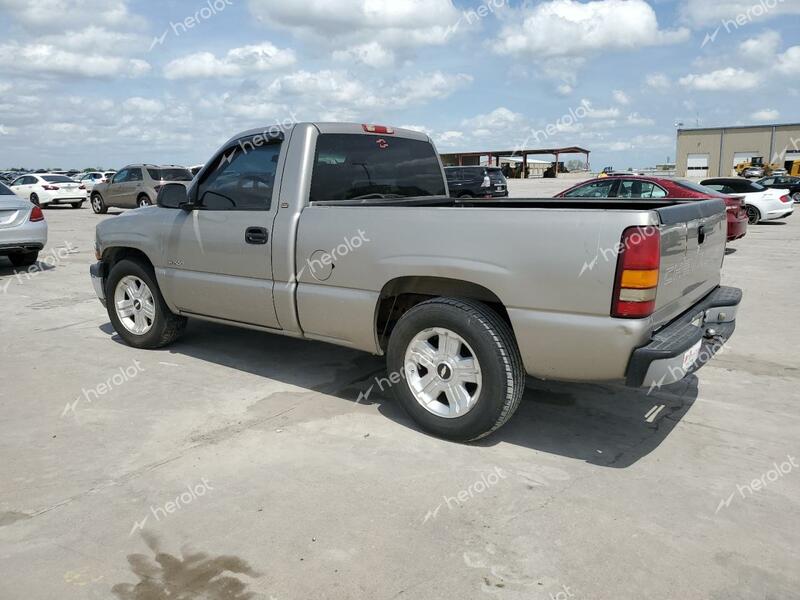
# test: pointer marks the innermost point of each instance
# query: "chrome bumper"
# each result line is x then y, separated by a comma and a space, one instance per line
98, 274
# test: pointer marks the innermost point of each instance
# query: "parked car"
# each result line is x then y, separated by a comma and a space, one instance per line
135, 186
640, 186
791, 185
753, 172
23, 230
343, 233
46, 189
90, 179
476, 182
762, 203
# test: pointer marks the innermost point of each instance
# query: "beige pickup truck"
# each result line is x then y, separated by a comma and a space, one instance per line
345, 233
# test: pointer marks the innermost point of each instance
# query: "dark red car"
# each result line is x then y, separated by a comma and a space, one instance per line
636, 186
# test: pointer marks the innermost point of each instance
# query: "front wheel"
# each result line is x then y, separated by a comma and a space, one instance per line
461, 370
753, 215
98, 206
137, 309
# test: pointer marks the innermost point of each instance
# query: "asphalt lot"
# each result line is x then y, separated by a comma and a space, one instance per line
237, 463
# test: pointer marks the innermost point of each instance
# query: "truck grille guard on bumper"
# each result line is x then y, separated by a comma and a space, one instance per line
686, 344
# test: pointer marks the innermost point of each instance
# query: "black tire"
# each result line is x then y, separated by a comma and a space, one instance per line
143, 200
753, 215
35, 199
166, 327
495, 349
98, 204
23, 259
77, 204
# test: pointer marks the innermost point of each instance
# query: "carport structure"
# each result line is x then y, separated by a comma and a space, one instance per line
474, 158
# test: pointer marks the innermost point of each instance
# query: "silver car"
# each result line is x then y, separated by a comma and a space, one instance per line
23, 230
135, 186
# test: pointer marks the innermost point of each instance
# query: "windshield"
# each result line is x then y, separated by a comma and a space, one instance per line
352, 166
4, 191
57, 179
170, 174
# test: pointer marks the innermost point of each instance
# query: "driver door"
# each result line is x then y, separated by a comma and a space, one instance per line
219, 255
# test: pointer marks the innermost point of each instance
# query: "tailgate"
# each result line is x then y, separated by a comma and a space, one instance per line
693, 237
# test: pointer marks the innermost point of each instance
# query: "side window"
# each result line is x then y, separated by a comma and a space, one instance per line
770, 181
597, 189
31, 180
19, 181
135, 175
121, 177
633, 188
242, 180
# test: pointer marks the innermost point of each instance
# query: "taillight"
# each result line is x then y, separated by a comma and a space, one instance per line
50, 188
486, 182
81, 187
636, 281
785, 199
382, 129
36, 215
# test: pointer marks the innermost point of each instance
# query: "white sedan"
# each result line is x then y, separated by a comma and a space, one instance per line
762, 203
44, 189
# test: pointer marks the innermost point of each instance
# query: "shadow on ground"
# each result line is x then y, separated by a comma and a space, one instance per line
605, 425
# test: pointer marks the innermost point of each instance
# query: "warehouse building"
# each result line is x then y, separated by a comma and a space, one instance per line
715, 151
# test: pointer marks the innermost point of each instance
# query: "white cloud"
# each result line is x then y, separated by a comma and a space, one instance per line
96, 39
371, 54
564, 89
499, 119
762, 47
45, 58
621, 97
730, 79
638, 120
449, 138
143, 105
767, 114
572, 28
788, 63
53, 14
237, 62
421, 128
4, 130
733, 14
658, 81
410, 23
601, 113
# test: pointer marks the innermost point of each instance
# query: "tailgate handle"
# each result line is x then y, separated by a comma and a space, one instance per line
701, 234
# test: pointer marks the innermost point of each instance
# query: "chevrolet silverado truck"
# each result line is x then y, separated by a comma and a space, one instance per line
346, 234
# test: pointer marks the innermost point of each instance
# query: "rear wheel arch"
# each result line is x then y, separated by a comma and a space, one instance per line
401, 294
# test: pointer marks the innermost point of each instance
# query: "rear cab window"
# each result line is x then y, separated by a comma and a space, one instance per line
357, 166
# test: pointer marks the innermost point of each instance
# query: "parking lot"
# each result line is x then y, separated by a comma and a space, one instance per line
235, 464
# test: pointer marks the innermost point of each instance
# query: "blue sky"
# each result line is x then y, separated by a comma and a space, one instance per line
108, 82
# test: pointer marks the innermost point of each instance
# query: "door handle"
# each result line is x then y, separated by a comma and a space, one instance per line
256, 235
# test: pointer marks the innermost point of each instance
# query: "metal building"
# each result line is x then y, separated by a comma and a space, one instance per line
714, 151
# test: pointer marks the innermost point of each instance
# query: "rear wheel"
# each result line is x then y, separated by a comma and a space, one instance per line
98, 206
461, 371
753, 215
143, 201
137, 309
796, 196
23, 259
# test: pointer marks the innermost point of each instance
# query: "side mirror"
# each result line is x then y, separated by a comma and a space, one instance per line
172, 195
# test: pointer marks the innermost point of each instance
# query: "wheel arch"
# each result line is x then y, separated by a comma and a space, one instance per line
401, 294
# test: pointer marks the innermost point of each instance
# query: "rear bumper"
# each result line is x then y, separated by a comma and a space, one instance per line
687, 343
15, 248
737, 227
98, 272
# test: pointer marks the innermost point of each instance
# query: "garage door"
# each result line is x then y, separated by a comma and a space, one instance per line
740, 157
697, 165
